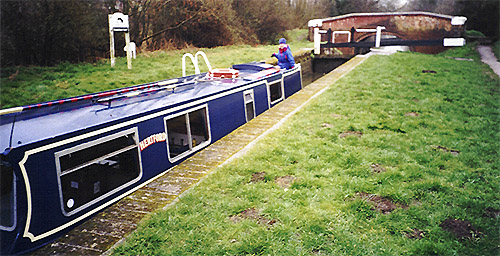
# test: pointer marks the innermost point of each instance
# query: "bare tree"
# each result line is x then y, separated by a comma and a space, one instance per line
436, 6
45, 32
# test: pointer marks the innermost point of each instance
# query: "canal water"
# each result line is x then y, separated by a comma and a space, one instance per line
315, 68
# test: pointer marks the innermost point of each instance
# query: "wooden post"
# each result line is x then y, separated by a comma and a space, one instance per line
329, 37
129, 52
119, 23
111, 42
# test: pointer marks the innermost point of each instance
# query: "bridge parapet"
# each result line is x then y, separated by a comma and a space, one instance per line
354, 33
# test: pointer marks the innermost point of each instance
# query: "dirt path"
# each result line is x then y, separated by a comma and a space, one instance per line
489, 58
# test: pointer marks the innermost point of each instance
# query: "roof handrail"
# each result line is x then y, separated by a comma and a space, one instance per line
204, 58
194, 60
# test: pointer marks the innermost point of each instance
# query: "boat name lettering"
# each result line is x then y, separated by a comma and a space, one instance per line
152, 140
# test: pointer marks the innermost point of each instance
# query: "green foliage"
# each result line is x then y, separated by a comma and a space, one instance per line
496, 49
474, 33
323, 211
468, 51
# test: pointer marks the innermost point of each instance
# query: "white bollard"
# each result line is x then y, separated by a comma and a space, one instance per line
378, 36
317, 41
131, 48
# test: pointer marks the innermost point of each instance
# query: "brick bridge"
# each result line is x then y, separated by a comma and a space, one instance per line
355, 33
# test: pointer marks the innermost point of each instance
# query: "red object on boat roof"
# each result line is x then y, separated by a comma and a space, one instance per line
223, 73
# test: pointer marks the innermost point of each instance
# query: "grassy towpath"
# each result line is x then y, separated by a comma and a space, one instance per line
399, 157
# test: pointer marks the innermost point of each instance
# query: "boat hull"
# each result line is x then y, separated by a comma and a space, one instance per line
57, 181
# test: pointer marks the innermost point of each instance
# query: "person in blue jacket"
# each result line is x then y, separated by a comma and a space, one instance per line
285, 57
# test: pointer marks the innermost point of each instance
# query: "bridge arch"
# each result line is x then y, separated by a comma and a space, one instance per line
385, 34
409, 26
371, 37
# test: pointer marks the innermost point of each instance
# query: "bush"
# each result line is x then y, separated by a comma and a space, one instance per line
496, 49
474, 33
41, 32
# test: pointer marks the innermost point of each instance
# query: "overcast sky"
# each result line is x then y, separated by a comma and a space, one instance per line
398, 3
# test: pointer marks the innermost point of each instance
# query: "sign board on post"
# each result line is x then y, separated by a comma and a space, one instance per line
118, 22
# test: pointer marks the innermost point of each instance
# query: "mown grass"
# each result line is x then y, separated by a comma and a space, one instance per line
28, 85
436, 136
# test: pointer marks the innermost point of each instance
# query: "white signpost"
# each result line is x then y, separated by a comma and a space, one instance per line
118, 22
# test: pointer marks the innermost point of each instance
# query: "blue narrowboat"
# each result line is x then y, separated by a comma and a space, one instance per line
65, 160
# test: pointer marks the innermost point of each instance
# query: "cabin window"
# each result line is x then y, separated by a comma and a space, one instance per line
249, 105
7, 196
275, 91
94, 170
187, 132
177, 135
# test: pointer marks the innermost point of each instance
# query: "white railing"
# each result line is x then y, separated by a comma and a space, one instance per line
318, 32
348, 33
194, 60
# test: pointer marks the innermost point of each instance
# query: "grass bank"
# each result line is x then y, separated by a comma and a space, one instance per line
496, 49
28, 85
399, 157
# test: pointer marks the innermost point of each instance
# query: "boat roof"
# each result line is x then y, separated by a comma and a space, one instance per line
29, 124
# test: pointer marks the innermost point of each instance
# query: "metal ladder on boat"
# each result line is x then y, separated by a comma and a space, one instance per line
194, 60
